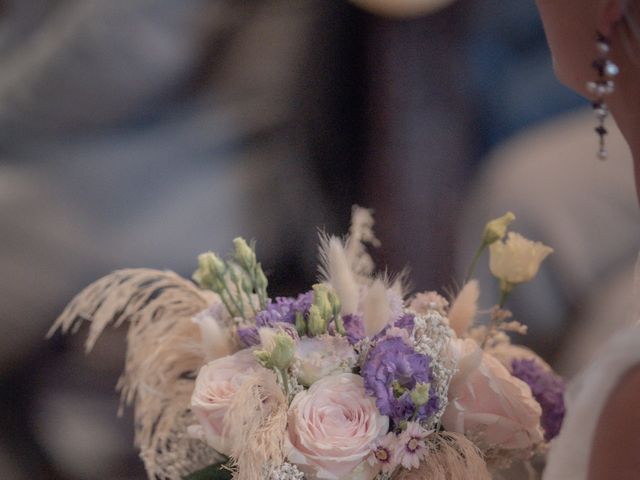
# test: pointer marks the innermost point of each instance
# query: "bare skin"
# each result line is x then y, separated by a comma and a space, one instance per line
571, 27
615, 453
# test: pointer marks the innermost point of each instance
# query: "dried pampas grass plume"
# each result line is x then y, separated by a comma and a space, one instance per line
464, 308
360, 234
376, 311
164, 353
451, 456
336, 270
257, 420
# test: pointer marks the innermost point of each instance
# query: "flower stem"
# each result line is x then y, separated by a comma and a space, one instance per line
285, 382
239, 308
474, 262
226, 303
505, 291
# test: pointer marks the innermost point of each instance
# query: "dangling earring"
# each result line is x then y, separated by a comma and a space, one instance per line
602, 87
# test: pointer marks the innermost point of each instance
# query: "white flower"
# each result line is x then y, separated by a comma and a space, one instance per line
518, 259
411, 446
384, 453
323, 356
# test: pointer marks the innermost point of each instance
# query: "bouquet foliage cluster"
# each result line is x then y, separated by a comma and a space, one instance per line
352, 379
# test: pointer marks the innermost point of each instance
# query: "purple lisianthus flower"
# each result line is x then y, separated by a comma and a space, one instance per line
354, 327
284, 310
547, 389
391, 372
249, 336
405, 322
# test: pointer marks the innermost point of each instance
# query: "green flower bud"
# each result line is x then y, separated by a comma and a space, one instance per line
283, 351
233, 273
420, 394
247, 286
210, 271
301, 325
496, 229
317, 325
340, 325
335, 302
263, 357
261, 278
321, 300
244, 254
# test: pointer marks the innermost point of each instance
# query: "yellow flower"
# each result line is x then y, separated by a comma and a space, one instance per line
496, 229
517, 260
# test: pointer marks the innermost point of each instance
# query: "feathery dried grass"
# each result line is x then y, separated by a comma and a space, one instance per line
257, 419
375, 309
336, 270
361, 233
451, 457
464, 308
164, 353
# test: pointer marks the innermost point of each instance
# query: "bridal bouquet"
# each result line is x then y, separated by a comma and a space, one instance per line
353, 379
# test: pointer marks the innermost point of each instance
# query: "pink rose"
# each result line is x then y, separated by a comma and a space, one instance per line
488, 404
332, 427
216, 384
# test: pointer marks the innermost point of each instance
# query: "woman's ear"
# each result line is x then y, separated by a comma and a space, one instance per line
610, 13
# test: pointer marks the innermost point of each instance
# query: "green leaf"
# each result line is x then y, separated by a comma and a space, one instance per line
219, 471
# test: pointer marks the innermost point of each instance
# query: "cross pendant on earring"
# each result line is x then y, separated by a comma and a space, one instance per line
601, 88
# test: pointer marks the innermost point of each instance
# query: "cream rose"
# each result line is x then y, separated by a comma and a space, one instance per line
216, 384
322, 356
488, 404
331, 428
517, 260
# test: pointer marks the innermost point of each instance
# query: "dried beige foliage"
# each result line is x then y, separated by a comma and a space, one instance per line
164, 353
451, 456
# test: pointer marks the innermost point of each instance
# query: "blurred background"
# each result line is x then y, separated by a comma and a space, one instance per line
140, 133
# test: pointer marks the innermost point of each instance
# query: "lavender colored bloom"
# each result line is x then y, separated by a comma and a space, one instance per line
547, 389
354, 328
391, 371
406, 322
249, 336
284, 310
302, 303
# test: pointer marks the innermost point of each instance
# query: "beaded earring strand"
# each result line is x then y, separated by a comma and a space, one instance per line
601, 88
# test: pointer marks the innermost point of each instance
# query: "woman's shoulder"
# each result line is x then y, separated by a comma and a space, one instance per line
612, 377
616, 443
